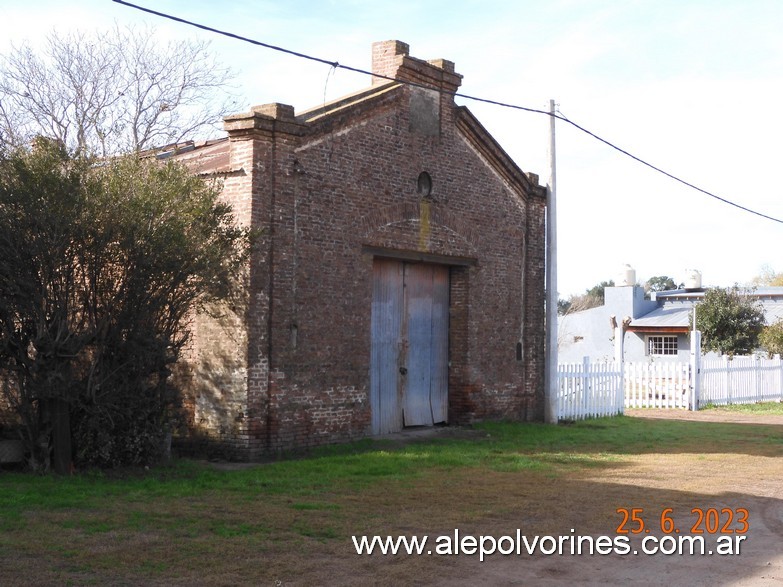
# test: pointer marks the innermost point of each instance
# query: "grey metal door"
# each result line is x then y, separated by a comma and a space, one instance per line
409, 371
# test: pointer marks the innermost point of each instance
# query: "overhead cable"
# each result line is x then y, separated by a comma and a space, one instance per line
337, 65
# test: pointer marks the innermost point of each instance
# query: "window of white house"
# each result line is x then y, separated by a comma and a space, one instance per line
658, 346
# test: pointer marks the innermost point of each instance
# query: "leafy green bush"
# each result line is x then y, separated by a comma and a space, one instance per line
730, 321
771, 338
101, 263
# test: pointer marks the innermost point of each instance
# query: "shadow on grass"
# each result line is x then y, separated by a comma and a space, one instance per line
496, 446
566, 507
235, 536
292, 521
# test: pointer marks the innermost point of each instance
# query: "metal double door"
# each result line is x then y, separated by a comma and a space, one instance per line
410, 343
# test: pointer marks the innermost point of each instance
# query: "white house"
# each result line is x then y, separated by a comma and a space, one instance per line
652, 329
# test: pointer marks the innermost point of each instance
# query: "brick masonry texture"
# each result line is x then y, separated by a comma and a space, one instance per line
331, 188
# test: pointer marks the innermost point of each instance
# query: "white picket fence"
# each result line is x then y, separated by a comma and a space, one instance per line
592, 389
741, 380
588, 390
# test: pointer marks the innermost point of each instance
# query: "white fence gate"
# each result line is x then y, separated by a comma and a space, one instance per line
658, 385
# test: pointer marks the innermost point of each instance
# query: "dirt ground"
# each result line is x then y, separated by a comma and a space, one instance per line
667, 484
683, 481
707, 416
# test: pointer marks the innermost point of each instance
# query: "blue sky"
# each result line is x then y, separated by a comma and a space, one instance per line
691, 86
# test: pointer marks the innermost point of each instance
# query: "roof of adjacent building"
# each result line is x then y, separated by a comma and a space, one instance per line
672, 317
765, 292
675, 308
773, 311
210, 157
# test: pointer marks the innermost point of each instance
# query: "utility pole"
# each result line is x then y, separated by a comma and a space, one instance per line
550, 378
695, 364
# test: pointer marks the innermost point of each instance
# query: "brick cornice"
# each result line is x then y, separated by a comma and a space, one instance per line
266, 119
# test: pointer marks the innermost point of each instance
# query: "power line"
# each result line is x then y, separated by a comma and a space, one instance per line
666, 173
560, 116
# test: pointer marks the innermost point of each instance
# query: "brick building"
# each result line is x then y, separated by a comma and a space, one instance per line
398, 279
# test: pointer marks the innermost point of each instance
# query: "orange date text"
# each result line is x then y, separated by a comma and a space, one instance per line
701, 521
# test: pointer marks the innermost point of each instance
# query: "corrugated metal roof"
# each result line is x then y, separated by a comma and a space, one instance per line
769, 291
209, 157
773, 311
678, 315
671, 317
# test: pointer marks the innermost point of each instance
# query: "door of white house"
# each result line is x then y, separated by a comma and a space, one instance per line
410, 328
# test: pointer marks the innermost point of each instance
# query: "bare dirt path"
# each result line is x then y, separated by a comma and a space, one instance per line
682, 481
666, 485
587, 505
715, 415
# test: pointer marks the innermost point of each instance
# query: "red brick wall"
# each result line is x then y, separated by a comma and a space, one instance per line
326, 192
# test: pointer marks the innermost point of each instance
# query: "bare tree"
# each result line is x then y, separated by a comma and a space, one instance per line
111, 92
768, 277
10, 125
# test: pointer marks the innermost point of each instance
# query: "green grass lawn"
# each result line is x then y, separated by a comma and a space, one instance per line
189, 519
771, 408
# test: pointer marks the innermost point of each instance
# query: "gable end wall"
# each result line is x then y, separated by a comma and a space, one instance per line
327, 195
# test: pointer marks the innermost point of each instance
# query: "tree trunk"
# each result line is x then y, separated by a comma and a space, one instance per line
60, 414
